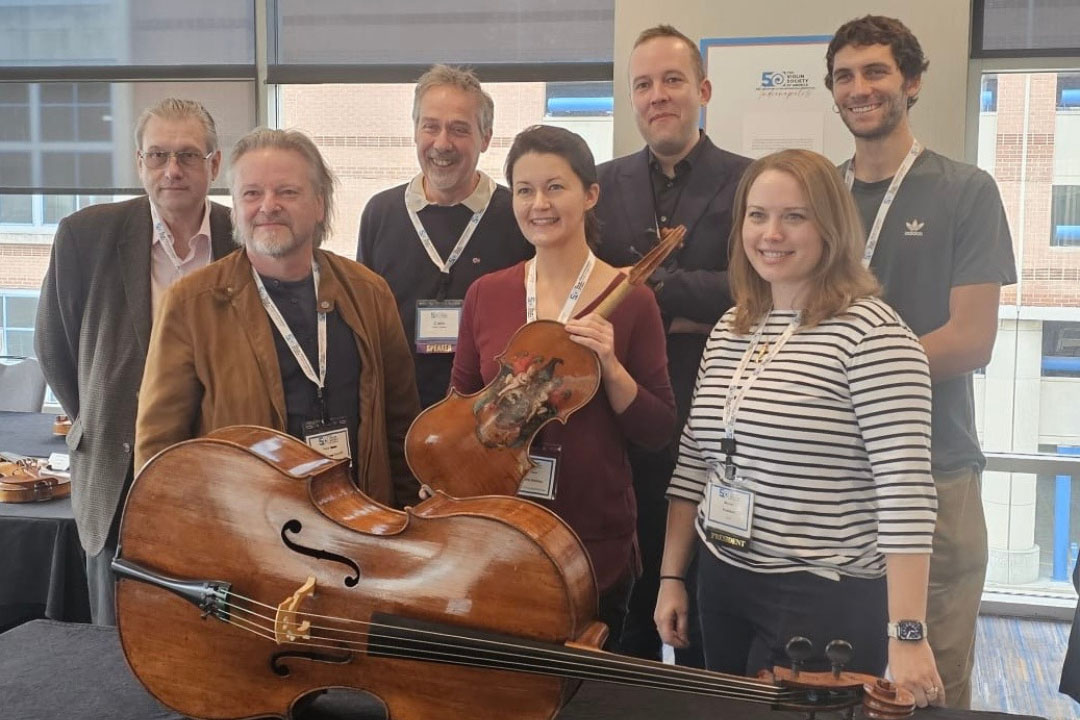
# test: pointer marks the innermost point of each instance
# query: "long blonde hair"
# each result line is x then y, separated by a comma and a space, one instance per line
839, 278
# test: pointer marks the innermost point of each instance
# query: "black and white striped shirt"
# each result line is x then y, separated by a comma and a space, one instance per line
833, 439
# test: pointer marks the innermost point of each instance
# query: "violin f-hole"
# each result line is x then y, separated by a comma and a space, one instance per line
294, 527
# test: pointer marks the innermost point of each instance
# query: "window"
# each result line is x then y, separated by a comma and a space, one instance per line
1061, 349
1068, 91
78, 135
1025, 28
1065, 216
503, 40
17, 311
1026, 401
366, 133
988, 94
127, 33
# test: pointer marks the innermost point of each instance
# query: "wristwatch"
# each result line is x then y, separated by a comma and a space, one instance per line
908, 630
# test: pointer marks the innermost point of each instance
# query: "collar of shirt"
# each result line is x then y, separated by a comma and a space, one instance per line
683, 167
202, 236
416, 200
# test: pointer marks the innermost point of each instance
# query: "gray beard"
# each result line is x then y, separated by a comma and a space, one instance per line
276, 251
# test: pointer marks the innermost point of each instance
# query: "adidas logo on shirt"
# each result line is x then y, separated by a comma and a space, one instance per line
914, 228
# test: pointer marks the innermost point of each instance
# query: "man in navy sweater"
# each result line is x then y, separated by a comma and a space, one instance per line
433, 236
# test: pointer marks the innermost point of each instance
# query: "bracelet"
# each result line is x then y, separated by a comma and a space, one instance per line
680, 578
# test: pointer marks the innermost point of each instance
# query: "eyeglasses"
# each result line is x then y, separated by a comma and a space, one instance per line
157, 159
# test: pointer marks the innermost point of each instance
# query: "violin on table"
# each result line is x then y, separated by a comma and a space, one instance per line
24, 479
252, 572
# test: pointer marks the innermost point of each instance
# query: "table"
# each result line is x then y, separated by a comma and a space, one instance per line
43, 571
96, 683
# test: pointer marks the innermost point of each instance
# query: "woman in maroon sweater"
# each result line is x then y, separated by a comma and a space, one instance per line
553, 182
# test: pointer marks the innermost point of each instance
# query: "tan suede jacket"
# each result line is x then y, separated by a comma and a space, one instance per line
212, 364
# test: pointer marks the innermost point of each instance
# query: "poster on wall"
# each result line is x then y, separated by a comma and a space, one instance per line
768, 93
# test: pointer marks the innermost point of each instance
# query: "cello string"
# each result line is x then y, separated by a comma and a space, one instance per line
514, 652
592, 670
400, 653
688, 674
559, 654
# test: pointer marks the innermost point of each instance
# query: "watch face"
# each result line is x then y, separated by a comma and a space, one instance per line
909, 630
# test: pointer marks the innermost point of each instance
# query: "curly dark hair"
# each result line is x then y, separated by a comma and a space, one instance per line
880, 30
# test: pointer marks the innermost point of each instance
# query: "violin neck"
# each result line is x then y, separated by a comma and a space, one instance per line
609, 302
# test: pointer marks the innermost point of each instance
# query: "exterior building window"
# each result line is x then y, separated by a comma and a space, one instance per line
1061, 349
1068, 91
17, 311
1065, 216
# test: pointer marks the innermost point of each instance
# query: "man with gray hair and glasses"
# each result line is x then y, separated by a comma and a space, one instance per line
283, 334
433, 236
109, 268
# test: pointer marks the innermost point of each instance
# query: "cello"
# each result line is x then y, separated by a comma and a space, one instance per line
271, 576
478, 444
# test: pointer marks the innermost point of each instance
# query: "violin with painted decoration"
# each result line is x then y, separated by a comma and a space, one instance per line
478, 444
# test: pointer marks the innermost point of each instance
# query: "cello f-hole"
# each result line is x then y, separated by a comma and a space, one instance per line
294, 527
280, 669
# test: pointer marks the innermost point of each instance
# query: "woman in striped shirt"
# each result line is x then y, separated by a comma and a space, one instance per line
804, 466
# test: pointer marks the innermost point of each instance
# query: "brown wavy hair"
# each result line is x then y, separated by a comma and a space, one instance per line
839, 278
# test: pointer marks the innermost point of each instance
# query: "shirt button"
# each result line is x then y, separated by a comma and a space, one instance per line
663, 218
294, 301
670, 183
324, 304
127, 447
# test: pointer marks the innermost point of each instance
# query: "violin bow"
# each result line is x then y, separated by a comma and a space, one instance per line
670, 239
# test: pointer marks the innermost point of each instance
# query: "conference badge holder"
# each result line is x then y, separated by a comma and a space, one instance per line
330, 437
729, 511
437, 324
541, 482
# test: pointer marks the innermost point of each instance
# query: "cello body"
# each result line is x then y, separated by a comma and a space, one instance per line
263, 512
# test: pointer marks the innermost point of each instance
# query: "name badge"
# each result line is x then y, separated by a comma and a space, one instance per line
541, 481
330, 438
728, 515
437, 324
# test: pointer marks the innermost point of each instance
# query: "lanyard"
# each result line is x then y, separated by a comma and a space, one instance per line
166, 239
459, 247
886, 202
571, 299
736, 394
290, 338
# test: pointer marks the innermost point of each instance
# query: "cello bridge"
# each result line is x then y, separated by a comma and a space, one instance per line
286, 627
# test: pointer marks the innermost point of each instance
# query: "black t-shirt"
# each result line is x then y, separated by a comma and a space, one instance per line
296, 300
946, 228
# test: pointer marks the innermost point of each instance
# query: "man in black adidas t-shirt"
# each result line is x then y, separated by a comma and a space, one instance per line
939, 242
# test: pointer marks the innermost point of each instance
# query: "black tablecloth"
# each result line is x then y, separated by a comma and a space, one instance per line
54, 670
42, 566
29, 434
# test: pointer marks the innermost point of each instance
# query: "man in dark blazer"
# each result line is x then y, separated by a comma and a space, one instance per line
679, 178
109, 266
